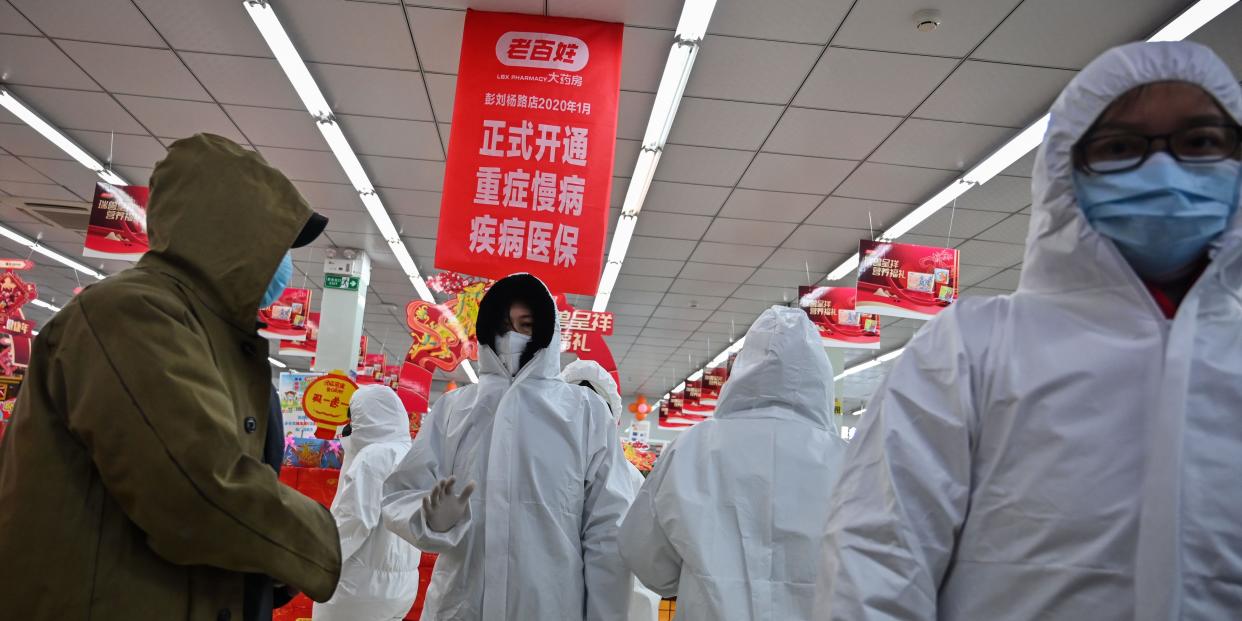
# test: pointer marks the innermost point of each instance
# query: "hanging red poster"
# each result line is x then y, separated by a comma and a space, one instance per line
285, 319
118, 225
530, 160
583, 332
713, 383
905, 280
832, 311
306, 347
693, 402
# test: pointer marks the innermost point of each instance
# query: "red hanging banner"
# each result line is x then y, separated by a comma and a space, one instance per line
118, 225
286, 318
832, 311
304, 348
905, 280
530, 159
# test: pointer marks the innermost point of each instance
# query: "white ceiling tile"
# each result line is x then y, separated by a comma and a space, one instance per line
889, 26
672, 225
13, 169
649, 13
69, 109
1006, 280
638, 297
271, 127
1085, 29
243, 80
715, 272
374, 245
786, 280
1221, 34
971, 275
631, 309
643, 55
75, 177
12, 22
650, 267
347, 221
337, 197
206, 26
977, 252
858, 213
392, 137
126, 149
1013, 230
874, 82
22, 140
1001, 193
995, 94
771, 206
377, 92
701, 302
745, 306
437, 34
684, 198
135, 174
898, 184
633, 110
803, 21
376, 33
758, 232
625, 154
171, 118
702, 287
719, 123
816, 262
406, 174
301, 165
771, 295
443, 88
701, 165
731, 254
965, 223
136, 70
750, 69
940, 144
686, 326
1022, 167
825, 238
793, 173
644, 283
417, 226
107, 21
825, 133
678, 312
35, 61
37, 191
657, 248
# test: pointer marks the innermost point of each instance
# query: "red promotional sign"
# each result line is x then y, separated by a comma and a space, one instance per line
693, 403
305, 348
530, 159
582, 334
286, 318
832, 311
905, 280
118, 226
713, 383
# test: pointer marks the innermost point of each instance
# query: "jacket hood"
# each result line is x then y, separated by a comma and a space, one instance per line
603, 384
1063, 251
220, 220
376, 415
538, 358
782, 366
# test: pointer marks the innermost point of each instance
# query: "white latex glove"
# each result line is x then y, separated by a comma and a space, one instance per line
442, 509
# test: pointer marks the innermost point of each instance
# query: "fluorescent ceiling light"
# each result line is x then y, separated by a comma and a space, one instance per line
287, 55
892, 355
465, 365
668, 95
276, 363
640, 182
37, 123
1192, 19
48, 252
696, 375
680, 387
695, 14
45, 305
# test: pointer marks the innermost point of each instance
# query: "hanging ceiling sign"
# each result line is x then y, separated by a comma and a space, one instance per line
582, 334
905, 280
444, 335
118, 224
529, 174
285, 319
832, 311
306, 347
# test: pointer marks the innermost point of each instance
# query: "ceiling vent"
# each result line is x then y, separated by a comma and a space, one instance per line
70, 217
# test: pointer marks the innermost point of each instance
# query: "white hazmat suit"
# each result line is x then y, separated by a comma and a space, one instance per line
379, 573
1065, 452
539, 540
732, 518
644, 603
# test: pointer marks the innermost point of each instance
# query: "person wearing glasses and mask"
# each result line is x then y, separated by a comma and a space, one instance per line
1071, 451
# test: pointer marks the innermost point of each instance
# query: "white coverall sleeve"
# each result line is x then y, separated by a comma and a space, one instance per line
414, 478
357, 505
645, 547
607, 497
904, 491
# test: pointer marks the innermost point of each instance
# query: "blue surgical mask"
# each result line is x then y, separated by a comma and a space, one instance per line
280, 280
1164, 214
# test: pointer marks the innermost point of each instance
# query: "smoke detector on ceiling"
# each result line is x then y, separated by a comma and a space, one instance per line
927, 20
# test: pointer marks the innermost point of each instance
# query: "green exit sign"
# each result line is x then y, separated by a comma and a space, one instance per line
340, 281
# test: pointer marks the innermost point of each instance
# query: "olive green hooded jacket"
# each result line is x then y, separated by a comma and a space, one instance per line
131, 480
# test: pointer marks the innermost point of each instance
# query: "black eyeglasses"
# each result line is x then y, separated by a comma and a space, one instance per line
1114, 153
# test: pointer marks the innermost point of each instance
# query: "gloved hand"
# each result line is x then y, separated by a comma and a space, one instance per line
442, 509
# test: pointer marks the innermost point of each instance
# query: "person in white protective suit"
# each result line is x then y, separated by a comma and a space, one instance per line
379, 573
539, 538
644, 603
1072, 451
731, 520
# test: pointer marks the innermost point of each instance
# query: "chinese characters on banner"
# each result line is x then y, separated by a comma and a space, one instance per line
285, 319
832, 311
326, 402
713, 383
530, 159
693, 401
905, 280
118, 225
582, 334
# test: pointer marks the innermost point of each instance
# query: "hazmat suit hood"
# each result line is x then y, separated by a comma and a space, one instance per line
538, 359
601, 382
220, 219
375, 416
782, 368
1063, 252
